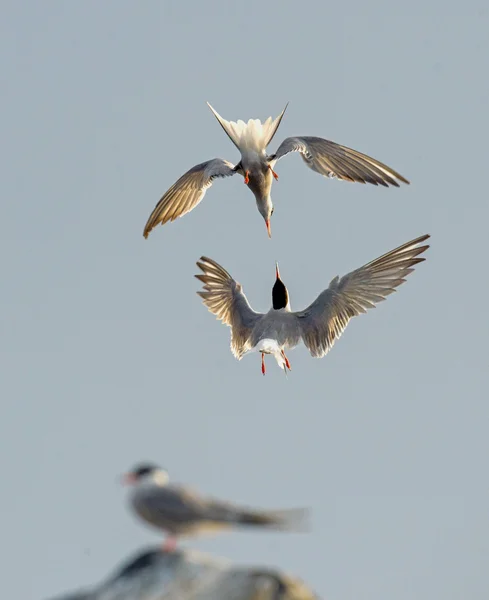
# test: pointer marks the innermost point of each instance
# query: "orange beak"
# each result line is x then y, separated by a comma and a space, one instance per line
267, 223
277, 272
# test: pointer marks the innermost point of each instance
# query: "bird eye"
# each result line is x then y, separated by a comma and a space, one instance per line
272, 212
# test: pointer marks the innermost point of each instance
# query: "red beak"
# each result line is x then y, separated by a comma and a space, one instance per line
267, 222
128, 479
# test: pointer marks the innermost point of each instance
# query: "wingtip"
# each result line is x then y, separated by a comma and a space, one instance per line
205, 263
419, 240
402, 179
399, 177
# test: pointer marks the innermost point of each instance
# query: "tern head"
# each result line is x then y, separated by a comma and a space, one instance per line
280, 295
148, 473
265, 208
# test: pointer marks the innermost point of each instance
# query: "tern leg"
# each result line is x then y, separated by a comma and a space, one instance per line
170, 544
263, 370
287, 364
273, 172
247, 178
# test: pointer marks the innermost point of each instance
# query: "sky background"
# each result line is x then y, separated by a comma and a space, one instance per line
108, 355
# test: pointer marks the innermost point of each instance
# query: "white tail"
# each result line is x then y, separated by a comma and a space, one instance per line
253, 135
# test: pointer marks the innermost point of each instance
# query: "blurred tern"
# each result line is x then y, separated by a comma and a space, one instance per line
181, 512
257, 167
319, 325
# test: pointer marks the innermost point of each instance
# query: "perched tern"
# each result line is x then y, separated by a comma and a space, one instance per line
321, 323
181, 512
257, 167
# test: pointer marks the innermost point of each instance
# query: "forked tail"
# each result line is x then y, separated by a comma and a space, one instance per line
254, 135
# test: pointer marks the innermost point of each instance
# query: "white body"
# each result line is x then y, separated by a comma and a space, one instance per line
269, 346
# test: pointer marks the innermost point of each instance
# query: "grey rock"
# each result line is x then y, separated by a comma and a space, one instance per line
188, 575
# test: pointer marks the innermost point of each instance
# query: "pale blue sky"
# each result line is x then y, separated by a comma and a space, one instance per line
103, 107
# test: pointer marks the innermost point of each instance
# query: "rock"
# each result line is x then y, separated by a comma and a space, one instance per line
188, 575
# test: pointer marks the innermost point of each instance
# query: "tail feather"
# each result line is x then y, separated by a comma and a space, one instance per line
290, 519
253, 135
272, 126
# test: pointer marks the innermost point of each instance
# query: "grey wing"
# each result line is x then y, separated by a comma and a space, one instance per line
180, 510
170, 508
323, 322
187, 192
224, 297
332, 160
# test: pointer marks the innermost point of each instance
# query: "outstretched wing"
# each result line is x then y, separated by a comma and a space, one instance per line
224, 297
187, 192
332, 160
323, 322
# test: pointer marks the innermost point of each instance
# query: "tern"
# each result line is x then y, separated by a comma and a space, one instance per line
182, 512
257, 167
321, 323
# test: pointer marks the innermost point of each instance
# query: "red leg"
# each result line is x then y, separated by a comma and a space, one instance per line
273, 173
170, 544
287, 364
263, 370
247, 177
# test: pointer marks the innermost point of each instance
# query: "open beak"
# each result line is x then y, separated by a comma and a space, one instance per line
267, 223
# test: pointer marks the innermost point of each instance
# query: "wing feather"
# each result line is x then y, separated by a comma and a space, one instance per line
168, 507
323, 322
224, 297
187, 192
332, 160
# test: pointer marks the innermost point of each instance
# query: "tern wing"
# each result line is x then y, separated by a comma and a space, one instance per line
180, 510
323, 322
332, 160
170, 507
187, 192
225, 298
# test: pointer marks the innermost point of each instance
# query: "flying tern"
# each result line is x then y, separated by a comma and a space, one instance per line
257, 167
321, 323
182, 512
